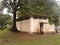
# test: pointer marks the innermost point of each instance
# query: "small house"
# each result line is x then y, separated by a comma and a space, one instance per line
35, 24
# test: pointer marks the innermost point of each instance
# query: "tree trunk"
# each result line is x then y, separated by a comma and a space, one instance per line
14, 21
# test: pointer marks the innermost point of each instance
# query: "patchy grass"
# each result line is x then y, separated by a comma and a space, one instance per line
9, 38
2, 32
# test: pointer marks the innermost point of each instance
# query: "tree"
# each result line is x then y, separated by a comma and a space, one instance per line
30, 8
13, 6
39, 7
1, 7
4, 20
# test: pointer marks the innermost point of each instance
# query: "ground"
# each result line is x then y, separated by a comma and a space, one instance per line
10, 38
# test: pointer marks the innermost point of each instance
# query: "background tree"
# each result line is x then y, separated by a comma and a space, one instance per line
30, 8
1, 7
4, 20
38, 7
13, 6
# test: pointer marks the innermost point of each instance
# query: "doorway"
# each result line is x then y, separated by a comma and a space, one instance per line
41, 28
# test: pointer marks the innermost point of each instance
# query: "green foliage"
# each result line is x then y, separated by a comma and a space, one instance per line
38, 7
51, 20
1, 6
13, 6
4, 20
46, 8
56, 20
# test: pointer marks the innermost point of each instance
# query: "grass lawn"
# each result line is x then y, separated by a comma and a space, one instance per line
9, 38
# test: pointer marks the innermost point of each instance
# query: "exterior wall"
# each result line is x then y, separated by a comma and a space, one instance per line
18, 25
48, 28
33, 25
36, 24
24, 26
36, 27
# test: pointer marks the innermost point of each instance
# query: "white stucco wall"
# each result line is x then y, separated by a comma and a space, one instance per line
33, 25
36, 24
46, 26
24, 25
49, 28
18, 25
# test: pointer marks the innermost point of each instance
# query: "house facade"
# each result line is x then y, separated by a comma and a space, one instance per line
35, 25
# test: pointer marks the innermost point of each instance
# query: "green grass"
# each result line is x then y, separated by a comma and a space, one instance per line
40, 41
44, 40
7, 35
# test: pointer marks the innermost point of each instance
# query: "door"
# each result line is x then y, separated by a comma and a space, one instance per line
41, 28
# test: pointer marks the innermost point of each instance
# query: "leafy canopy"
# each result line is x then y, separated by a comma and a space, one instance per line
39, 7
4, 20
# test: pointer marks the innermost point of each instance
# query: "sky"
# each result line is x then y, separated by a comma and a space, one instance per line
57, 0
1, 0
5, 11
